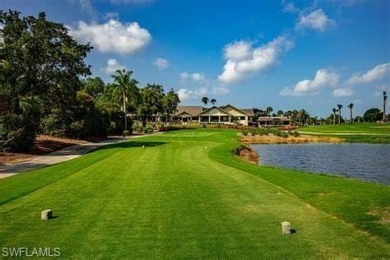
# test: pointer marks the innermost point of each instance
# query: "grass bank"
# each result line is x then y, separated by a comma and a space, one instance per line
184, 195
357, 132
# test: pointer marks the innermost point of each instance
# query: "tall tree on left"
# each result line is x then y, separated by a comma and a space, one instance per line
40, 66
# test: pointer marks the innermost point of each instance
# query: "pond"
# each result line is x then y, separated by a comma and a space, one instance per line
369, 162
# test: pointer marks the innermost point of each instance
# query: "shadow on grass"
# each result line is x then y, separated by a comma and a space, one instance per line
131, 144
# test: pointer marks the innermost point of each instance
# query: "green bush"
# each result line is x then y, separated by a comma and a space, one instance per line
148, 130
18, 133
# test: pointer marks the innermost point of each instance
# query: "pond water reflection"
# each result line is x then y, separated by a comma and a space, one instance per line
370, 162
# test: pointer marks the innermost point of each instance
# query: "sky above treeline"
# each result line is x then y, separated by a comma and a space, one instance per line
285, 54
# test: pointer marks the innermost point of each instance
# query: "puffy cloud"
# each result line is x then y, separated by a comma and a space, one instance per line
161, 63
323, 78
289, 7
113, 36
188, 94
242, 60
238, 51
374, 74
342, 92
112, 66
316, 20
193, 76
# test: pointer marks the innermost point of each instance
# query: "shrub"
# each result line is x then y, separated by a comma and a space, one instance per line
296, 133
148, 130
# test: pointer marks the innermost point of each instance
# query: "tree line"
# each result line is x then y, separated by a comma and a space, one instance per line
46, 88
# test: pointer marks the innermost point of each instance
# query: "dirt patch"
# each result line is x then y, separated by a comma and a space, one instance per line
273, 139
247, 154
382, 214
44, 144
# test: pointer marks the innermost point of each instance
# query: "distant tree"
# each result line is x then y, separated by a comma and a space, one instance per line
372, 115
93, 86
303, 116
170, 102
384, 106
279, 113
334, 110
358, 119
151, 102
205, 101
269, 110
350, 106
125, 86
339, 106
294, 116
213, 101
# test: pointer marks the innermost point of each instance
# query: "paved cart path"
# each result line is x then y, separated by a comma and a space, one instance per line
62, 155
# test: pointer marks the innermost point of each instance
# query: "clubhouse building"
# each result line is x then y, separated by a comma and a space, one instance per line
214, 115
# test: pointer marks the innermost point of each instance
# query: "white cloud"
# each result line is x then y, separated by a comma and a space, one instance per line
111, 15
86, 6
316, 20
161, 63
113, 36
193, 76
242, 60
131, 1
112, 66
188, 94
323, 78
374, 74
342, 92
289, 7
220, 91
238, 51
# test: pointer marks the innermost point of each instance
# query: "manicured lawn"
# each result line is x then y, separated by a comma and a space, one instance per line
366, 128
357, 132
185, 195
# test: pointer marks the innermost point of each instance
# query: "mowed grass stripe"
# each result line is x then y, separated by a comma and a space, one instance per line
170, 200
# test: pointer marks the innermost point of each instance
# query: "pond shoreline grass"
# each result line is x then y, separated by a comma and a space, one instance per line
184, 194
357, 132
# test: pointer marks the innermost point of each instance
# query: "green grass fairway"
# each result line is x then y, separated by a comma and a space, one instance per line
184, 195
357, 132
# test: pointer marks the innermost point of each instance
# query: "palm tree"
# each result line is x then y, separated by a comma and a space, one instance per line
125, 85
269, 110
339, 107
303, 115
350, 106
213, 101
334, 115
384, 105
205, 100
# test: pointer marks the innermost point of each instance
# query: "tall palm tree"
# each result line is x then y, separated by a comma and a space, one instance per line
350, 106
334, 110
269, 110
205, 100
384, 105
213, 101
125, 86
339, 107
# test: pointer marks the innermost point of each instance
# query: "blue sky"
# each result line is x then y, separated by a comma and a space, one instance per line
285, 54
